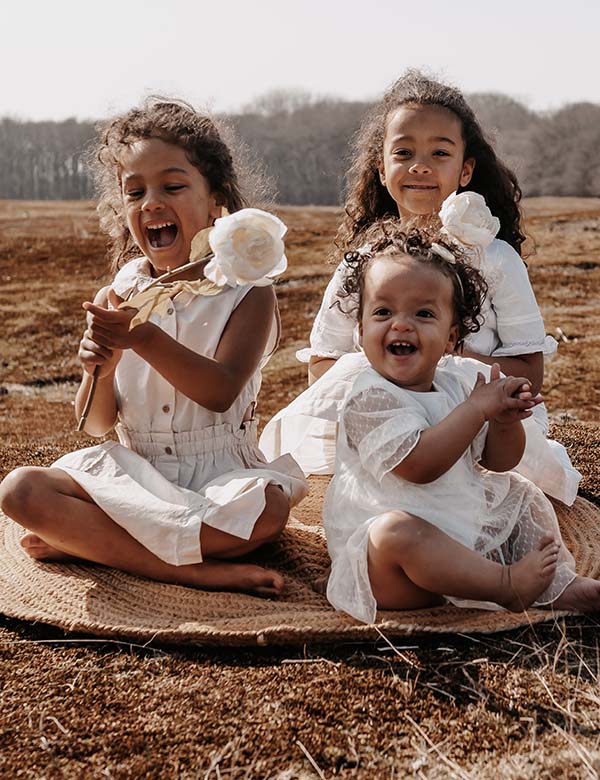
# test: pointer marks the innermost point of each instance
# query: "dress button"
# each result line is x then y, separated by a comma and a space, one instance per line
168, 450
170, 311
166, 408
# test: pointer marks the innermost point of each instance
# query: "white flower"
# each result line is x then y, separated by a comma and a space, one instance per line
248, 248
467, 219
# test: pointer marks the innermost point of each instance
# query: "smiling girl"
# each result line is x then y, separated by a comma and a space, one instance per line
417, 146
186, 489
423, 503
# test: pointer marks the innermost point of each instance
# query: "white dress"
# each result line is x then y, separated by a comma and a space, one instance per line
179, 465
513, 325
502, 516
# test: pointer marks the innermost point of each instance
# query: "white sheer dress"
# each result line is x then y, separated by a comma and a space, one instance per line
513, 325
500, 515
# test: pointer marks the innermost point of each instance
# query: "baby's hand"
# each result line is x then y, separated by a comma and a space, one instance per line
504, 400
109, 328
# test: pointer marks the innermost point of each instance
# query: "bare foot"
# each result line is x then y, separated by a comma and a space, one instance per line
210, 575
526, 579
245, 577
582, 595
37, 548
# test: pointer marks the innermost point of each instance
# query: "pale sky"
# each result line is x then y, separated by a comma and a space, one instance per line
63, 58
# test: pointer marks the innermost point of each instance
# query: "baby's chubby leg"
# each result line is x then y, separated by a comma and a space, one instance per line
411, 562
66, 523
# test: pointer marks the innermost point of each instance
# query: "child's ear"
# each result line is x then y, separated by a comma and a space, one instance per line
467, 171
381, 172
216, 210
452, 340
360, 333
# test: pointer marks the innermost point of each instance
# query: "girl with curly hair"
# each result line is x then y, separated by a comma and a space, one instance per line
185, 491
416, 147
423, 503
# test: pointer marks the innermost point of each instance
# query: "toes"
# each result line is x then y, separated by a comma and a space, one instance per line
265, 591
545, 542
31, 540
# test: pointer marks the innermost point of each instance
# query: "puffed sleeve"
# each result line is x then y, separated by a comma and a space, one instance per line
519, 323
381, 430
332, 333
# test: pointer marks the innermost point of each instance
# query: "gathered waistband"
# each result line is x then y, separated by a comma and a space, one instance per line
214, 438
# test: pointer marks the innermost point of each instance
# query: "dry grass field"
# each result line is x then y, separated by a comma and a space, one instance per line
524, 704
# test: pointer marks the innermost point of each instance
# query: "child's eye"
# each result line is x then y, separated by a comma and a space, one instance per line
134, 193
425, 313
174, 187
382, 312
401, 152
441, 153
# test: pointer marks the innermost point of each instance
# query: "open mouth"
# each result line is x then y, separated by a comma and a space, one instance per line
401, 348
420, 187
161, 236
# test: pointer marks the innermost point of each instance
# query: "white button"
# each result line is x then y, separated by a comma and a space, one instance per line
169, 311
166, 408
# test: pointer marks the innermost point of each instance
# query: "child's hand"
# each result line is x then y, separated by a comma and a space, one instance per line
108, 329
504, 400
92, 354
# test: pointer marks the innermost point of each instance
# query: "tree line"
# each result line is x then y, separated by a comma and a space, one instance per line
302, 145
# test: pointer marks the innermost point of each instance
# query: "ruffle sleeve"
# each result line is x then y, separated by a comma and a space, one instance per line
519, 322
381, 429
333, 332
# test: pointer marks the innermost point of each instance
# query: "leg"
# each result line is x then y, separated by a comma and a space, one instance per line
268, 527
411, 562
65, 522
582, 595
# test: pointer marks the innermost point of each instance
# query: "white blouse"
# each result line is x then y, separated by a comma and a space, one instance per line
513, 324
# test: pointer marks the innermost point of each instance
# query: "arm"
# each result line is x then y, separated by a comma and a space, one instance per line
504, 445
213, 383
518, 323
317, 366
103, 414
332, 333
442, 445
502, 402
529, 366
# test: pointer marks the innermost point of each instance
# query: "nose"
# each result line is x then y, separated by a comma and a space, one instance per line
402, 322
151, 201
420, 167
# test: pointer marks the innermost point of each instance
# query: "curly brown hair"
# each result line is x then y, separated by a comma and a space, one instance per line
366, 197
174, 122
387, 237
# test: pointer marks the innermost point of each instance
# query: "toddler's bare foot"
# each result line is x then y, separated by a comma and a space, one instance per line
245, 577
37, 548
526, 579
582, 595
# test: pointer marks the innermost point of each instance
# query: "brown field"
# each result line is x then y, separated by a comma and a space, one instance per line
524, 704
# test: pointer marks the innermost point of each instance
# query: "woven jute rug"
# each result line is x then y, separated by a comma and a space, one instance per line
105, 602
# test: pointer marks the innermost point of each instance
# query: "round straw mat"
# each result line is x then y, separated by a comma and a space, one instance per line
105, 602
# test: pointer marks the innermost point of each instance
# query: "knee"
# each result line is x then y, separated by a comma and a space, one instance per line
274, 517
397, 531
19, 492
